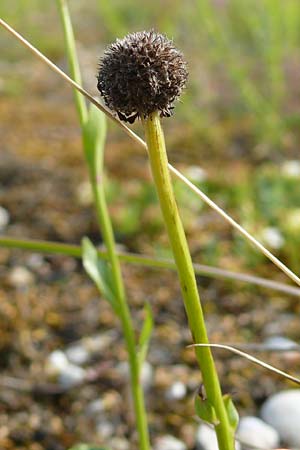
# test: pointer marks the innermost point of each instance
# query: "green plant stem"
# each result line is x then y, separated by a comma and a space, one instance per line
159, 166
95, 165
146, 261
72, 58
125, 317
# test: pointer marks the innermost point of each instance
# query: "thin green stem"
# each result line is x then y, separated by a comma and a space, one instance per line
95, 165
159, 166
146, 261
125, 317
72, 58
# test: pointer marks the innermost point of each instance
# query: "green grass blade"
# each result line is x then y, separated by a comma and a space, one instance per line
98, 271
145, 335
72, 57
94, 134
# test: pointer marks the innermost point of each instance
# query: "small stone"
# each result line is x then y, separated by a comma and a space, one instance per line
56, 362
291, 168
280, 343
169, 442
112, 400
196, 174
94, 344
255, 432
96, 407
77, 354
272, 237
84, 193
71, 376
119, 444
105, 429
35, 261
284, 322
176, 391
282, 412
206, 439
290, 350
20, 277
66, 374
4, 218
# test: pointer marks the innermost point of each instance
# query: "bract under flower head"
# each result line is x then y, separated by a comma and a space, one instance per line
140, 74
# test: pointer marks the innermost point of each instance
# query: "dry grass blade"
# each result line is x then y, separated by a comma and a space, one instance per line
138, 140
148, 261
238, 227
250, 358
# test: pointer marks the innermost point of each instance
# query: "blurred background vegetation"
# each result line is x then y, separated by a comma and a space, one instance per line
235, 132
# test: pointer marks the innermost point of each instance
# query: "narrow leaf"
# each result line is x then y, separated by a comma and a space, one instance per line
145, 334
233, 415
94, 134
72, 57
205, 410
97, 270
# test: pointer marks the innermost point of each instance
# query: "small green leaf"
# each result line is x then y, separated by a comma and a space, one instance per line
145, 334
98, 270
94, 133
205, 410
233, 415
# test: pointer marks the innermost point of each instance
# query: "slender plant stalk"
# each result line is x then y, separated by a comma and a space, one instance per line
146, 261
72, 59
97, 183
159, 166
125, 317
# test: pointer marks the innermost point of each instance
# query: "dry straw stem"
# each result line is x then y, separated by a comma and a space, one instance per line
138, 140
147, 261
251, 358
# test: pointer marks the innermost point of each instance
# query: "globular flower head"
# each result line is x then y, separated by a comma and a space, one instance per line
140, 74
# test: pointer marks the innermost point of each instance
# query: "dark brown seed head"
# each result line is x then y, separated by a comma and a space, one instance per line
140, 74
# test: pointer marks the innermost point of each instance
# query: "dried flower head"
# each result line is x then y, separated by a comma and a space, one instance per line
140, 74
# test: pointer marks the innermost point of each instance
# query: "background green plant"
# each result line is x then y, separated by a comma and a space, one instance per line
107, 275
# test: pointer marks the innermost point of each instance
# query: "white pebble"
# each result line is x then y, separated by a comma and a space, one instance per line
35, 261
66, 374
272, 237
206, 439
280, 343
4, 218
282, 412
56, 362
118, 443
196, 174
169, 442
176, 391
94, 344
255, 432
105, 429
77, 354
20, 277
71, 376
291, 168
95, 407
